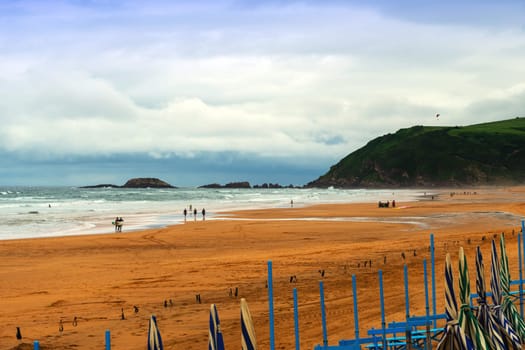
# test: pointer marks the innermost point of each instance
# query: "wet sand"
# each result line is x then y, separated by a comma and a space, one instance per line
94, 278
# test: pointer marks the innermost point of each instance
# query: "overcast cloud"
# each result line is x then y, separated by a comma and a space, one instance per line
291, 83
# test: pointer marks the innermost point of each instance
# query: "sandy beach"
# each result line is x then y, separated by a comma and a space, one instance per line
94, 279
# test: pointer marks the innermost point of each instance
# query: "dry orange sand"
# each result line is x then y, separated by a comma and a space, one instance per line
95, 277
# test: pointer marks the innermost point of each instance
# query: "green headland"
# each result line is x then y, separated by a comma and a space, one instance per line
481, 154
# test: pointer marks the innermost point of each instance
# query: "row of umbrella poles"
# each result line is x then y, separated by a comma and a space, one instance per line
496, 326
216, 341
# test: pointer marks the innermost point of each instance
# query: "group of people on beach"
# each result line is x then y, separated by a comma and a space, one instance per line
386, 204
119, 221
185, 212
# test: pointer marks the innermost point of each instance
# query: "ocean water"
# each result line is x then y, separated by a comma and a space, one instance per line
28, 212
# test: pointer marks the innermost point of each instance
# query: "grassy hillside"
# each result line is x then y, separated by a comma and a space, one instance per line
488, 153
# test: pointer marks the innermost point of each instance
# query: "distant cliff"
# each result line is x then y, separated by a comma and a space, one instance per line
141, 182
481, 154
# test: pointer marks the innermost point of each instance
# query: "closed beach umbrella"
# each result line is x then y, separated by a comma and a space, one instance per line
513, 340
216, 341
453, 338
486, 317
154, 339
508, 307
248, 340
467, 321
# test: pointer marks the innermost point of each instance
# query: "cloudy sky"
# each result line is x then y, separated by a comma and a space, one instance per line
196, 92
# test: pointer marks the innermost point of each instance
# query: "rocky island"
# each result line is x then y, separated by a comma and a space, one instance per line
140, 182
242, 184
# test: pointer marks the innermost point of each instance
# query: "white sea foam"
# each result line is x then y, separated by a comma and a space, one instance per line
66, 211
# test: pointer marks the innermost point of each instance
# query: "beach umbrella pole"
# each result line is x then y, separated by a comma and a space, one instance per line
323, 314
270, 305
36, 345
382, 302
296, 320
356, 315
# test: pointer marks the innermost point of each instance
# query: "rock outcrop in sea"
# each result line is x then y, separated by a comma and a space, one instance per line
145, 182
140, 182
241, 184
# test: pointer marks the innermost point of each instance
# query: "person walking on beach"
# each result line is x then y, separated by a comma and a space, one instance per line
203, 214
185, 213
119, 224
195, 214
116, 224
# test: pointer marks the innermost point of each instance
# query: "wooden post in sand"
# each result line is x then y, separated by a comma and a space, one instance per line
270, 304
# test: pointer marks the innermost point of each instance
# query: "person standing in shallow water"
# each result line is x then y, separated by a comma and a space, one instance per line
203, 214
195, 214
185, 212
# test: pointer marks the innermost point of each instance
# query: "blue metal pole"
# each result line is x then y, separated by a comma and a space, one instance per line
522, 234
36, 345
521, 275
523, 257
433, 276
270, 304
323, 314
356, 316
407, 304
296, 320
108, 339
425, 280
382, 301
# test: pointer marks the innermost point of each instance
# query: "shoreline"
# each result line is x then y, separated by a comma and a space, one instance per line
95, 277
62, 211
